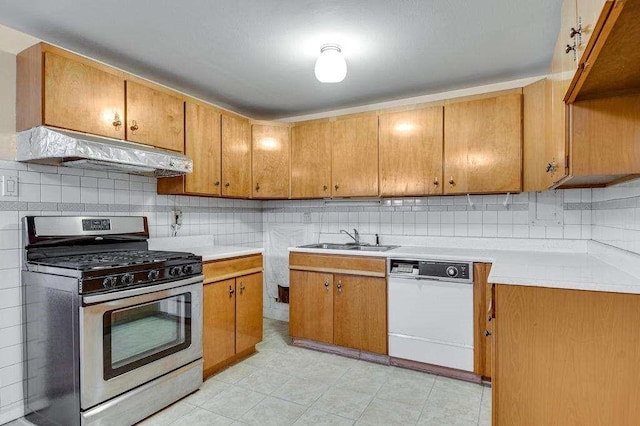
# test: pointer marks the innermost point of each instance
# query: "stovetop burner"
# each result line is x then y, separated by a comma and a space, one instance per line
113, 259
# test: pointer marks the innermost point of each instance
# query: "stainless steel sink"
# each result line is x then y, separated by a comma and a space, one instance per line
373, 248
359, 247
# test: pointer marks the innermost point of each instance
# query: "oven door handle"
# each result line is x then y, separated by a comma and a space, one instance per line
122, 294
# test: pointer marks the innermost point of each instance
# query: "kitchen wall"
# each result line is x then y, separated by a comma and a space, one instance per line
616, 216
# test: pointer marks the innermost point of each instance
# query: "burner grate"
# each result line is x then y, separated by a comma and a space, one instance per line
111, 259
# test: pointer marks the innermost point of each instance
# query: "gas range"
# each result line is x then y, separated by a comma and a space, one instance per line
119, 269
118, 326
105, 262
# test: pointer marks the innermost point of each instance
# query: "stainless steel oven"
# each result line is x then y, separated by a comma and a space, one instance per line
133, 336
113, 330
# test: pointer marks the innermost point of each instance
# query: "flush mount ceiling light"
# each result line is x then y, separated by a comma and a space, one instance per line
331, 66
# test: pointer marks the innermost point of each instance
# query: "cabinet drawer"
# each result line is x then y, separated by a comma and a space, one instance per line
219, 270
351, 265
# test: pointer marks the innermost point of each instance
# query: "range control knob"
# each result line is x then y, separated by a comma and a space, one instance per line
452, 271
108, 282
153, 274
187, 269
127, 279
175, 271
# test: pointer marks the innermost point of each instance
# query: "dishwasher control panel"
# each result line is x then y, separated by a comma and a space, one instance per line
431, 269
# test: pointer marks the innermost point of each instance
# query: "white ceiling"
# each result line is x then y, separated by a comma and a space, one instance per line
257, 57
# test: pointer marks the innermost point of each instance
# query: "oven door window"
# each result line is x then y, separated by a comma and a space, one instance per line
140, 334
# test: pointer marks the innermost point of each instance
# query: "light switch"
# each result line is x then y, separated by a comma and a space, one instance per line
9, 184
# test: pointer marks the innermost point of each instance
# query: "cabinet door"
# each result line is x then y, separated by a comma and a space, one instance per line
539, 163
271, 149
411, 152
354, 157
360, 313
80, 97
483, 145
311, 306
482, 345
218, 322
236, 157
202, 145
248, 311
311, 160
154, 117
588, 12
565, 357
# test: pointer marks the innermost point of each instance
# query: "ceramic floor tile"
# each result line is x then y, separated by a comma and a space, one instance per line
235, 373
168, 415
233, 402
273, 411
321, 418
301, 391
322, 371
207, 392
458, 411
383, 412
264, 381
361, 380
407, 390
200, 417
343, 402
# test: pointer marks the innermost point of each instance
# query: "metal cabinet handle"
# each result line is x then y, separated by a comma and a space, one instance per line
116, 120
339, 286
326, 285
133, 127
487, 333
325, 187
242, 287
574, 32
336, 187
451, 181
435, 182
226, 185
231, 291
257, 187
552, 167
217, 183
569, 48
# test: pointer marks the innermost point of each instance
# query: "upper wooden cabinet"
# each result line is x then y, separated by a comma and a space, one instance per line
59, 89
543, 156
236, 157
154, 116
271, 150
483, 145
354, 157
202, 145
411, 152
311, 160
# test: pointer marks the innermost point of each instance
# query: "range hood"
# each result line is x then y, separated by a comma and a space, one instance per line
56, 147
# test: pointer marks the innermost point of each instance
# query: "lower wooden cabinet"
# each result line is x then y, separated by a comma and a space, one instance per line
360, 313
337, 308
565, 357
483, 320
232, 311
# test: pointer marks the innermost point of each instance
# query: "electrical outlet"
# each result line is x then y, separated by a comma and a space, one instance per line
306, 217
9, 185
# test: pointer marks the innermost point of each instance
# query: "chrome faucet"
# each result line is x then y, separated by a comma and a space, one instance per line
355, 236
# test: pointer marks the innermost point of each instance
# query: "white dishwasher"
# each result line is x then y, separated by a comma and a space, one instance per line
431, 312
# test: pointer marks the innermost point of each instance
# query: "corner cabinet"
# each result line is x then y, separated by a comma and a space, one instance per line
339, 301
59, 89
271, 160
411, 152
202, 145
232, 310
236, 157
483, 145
354, 157
311, 159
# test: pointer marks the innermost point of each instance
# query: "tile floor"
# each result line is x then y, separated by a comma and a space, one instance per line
285, 385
